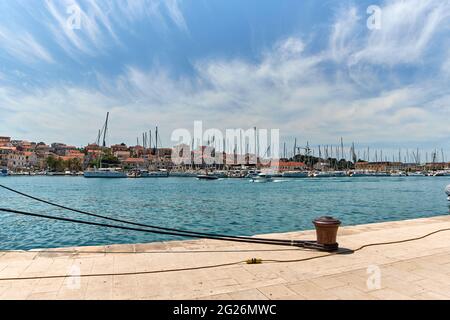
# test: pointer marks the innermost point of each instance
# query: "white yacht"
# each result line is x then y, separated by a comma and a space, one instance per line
443, 173
416, 174
262, 177
105, 173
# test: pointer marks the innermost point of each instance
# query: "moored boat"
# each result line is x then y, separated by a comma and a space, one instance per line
398, 174
365, 173
416, 174
207, 177
154, 174
442, 173
183, 174
4, 173
328, 174
295, 174
105, 173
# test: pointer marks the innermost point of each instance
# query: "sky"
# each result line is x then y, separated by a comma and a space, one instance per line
316, 70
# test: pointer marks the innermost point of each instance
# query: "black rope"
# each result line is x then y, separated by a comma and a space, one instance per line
187, 232
268, 241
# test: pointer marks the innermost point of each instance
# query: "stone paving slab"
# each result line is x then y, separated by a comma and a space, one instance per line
412, 270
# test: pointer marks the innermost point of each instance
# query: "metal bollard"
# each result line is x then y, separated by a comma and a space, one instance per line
326, 231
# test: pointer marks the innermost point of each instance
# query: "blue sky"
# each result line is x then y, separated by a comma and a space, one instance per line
313, 69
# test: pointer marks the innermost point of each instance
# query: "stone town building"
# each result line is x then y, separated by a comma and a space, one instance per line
22, 160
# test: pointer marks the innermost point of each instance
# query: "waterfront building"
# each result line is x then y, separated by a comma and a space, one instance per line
434, 166
22, 160
283, 166
385, 166
134, 162
4, 153
137, 151
122, 154
72, 154
23, 145
119, 147
5, 142
62, 149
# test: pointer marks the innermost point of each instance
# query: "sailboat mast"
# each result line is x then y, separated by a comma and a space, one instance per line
156, 141
106, 129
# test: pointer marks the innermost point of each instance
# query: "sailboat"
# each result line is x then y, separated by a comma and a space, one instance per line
104, 172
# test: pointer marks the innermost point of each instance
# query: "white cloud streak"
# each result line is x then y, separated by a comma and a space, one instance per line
287, 88
23, 46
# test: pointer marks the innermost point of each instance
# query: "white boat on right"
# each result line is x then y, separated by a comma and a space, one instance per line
442, 173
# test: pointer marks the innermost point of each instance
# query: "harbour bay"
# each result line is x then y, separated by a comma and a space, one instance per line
227, 206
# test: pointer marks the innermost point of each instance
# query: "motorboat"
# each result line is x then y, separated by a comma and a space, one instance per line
252, 173
324, 174
4, 173
443, 173
105, 173
447, 191
262, 177
416, 174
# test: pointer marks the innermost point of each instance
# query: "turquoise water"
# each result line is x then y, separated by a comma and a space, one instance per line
233, 206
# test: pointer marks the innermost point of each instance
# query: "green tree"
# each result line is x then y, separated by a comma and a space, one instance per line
55, 164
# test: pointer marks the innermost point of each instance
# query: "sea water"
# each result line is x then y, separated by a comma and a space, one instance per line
227, 206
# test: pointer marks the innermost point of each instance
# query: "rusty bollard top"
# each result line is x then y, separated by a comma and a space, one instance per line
326, 221
326, 232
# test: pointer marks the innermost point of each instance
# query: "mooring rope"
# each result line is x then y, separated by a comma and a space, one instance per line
38, 215
186, 233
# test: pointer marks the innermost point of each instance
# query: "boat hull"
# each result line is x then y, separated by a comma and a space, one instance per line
207, 177
155, 175
295, 174
107, 175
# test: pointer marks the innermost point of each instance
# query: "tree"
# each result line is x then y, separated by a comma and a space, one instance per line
55, 164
